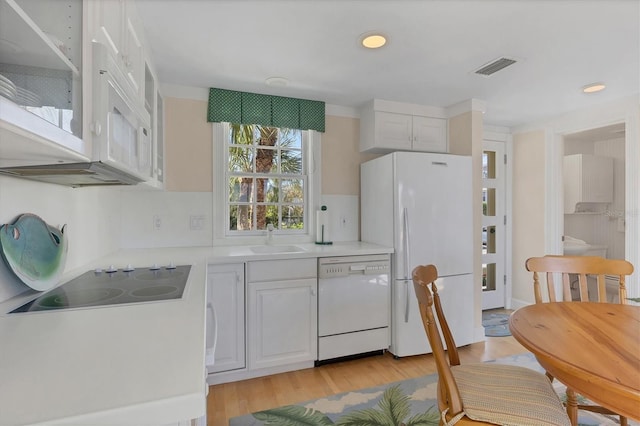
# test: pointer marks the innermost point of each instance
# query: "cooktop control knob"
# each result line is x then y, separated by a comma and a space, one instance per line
128, 268
171, 266
111, 269
98, 270
155, 267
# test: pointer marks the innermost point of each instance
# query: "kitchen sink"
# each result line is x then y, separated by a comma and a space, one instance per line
267, 249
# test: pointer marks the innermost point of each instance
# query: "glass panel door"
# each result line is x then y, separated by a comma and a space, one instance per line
493, 226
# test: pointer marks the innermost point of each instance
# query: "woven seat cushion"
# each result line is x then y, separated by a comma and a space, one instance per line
508, 395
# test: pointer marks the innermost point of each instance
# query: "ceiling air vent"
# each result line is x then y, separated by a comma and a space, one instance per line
495, 66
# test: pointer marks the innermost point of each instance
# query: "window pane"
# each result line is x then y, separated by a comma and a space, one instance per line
489, 201
267, 214
266, 190
265, 161
241, 159
488, 239
240, 217
240, 188
291, 161
489, 277
489, 165
290, 138
292, 217
241, 134
292, 191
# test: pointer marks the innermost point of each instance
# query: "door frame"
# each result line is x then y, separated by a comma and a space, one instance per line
627, 112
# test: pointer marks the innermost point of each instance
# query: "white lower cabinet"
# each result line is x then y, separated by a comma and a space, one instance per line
225, 290
282, 322
282, 312
278, 299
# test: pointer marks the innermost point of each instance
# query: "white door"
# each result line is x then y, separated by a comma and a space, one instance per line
493, 225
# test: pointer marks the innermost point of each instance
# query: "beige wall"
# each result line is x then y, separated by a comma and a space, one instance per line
341, 157
528, 208
188, 146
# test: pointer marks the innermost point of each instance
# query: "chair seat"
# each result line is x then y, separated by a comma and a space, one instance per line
508, 395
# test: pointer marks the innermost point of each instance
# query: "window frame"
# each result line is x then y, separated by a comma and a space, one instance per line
311, 173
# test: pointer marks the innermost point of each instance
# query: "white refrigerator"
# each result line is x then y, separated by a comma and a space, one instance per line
421, 205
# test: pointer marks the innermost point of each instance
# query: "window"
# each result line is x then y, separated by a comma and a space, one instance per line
266, 179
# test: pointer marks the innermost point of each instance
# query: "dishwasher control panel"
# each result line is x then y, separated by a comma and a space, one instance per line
332, 267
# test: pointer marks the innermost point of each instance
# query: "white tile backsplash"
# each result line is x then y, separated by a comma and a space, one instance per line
166, 219
344, 216
91, 215
100, 220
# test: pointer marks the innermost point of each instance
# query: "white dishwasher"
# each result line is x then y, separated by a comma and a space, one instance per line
354, 308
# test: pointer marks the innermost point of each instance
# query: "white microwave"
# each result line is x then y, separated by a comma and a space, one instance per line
121, 127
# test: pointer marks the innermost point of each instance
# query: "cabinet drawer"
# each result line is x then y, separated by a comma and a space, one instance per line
271, 270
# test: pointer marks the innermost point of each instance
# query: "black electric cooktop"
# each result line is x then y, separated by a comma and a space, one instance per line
113, 287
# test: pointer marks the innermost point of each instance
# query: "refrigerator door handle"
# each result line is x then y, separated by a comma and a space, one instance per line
406, 306
405, 215
407, 276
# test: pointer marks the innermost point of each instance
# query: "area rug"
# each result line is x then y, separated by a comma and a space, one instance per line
409, 402
495, 325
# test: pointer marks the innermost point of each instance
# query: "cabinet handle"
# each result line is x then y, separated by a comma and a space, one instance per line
313, 292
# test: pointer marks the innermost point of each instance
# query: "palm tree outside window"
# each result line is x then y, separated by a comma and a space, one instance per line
267, 179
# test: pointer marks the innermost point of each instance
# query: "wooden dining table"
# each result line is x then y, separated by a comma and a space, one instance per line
592, 348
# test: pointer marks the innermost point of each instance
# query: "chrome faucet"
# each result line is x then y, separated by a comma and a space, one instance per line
269, 233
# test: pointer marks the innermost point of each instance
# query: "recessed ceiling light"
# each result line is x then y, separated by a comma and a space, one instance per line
373, 40
593, 87
277, 81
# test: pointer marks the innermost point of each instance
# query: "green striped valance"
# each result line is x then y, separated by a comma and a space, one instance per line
253, 108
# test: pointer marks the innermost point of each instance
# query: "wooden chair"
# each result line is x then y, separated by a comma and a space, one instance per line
582, 267
486, 393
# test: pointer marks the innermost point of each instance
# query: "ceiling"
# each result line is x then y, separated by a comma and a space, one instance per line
433, 49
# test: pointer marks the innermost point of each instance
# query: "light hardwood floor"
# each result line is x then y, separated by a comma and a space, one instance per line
235, 399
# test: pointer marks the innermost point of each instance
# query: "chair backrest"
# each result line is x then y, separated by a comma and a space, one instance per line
581, 267
424, 284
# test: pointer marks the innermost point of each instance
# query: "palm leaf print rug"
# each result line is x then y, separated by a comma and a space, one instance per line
409, 402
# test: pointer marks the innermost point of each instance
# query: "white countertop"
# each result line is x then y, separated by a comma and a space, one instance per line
127, 364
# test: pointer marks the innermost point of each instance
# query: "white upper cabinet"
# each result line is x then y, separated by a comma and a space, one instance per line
119, 28
41, 75
587, 179
387, 126
429, 134
110, 25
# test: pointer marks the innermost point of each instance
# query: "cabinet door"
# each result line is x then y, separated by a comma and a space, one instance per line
282, 322
225, 291
429, 134
393, 131
111, 16
133, 53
